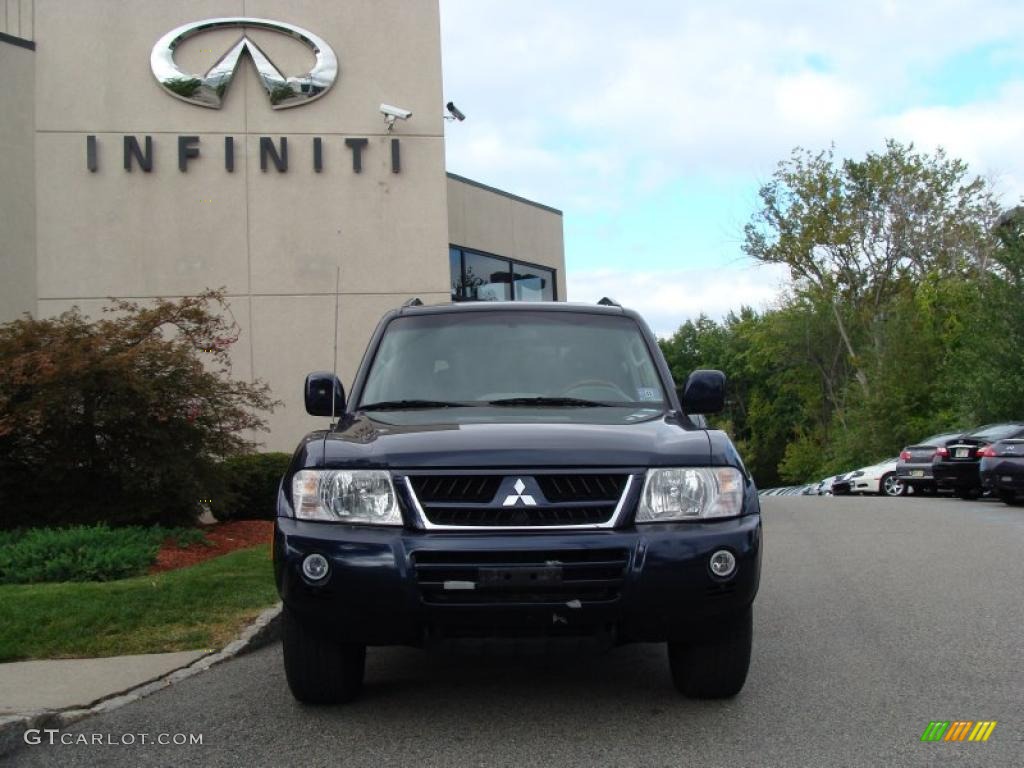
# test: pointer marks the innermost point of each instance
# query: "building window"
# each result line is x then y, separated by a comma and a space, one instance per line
484, 277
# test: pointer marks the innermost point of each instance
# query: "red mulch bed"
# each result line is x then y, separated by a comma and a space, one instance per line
225, 537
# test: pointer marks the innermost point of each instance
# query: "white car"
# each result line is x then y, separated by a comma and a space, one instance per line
879, 478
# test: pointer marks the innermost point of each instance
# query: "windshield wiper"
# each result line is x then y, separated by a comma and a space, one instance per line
574, 402
402, 405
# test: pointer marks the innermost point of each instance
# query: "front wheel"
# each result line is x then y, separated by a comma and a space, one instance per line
1011, 498
320, 671
891, 485
713, 670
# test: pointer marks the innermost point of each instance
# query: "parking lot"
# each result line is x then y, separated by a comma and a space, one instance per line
875, 616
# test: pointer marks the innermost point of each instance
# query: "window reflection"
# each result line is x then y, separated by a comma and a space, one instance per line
480, 277
486, 278
455, 269
532, 283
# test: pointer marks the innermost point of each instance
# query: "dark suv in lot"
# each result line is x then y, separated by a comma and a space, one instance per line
515, 470
957, 461
1002, 470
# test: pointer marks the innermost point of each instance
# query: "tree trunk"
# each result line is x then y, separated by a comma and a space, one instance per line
859, 374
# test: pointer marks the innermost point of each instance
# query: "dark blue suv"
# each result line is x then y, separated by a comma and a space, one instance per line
515, 470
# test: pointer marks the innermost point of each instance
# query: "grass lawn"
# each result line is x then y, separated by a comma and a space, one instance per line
203, 606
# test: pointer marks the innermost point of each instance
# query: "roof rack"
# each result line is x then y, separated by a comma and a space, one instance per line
606, 302
415, 301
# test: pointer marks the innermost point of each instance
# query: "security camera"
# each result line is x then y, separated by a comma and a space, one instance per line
389, 111
392, 113
455, 112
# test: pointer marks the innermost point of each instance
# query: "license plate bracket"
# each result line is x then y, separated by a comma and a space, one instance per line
519, 576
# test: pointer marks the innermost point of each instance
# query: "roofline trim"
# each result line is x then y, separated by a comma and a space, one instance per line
503, 193
21, 42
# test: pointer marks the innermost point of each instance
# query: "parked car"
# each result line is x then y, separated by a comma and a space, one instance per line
956, 464
914, 469
878, 479
1002, 469
843, 484
511, 470
825, 486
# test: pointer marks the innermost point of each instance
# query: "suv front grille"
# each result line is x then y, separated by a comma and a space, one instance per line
543, 576
489, 501
512, 516
459, 489
561, 488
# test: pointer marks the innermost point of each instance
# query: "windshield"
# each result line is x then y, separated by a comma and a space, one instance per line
996, 431
512, 359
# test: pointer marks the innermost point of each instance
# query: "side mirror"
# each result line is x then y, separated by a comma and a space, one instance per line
321, 386
704, 392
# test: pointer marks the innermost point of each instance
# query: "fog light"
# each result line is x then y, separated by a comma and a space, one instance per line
315, 567
723, 563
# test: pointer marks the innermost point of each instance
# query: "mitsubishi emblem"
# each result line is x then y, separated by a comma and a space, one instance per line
513, 498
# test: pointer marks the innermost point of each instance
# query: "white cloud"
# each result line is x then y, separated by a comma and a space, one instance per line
673, 89
668, 298
987, 134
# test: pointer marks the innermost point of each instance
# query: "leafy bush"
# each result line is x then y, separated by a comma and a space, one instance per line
252, 483
84, 553
124, 419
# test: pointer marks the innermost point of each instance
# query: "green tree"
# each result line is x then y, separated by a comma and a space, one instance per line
855, 233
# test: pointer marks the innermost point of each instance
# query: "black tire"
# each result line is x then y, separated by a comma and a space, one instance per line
702, 670
320, 671
1011, 498
968, 494
890, 485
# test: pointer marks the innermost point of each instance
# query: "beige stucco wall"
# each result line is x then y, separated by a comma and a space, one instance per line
495, 222
17, 181
273, 240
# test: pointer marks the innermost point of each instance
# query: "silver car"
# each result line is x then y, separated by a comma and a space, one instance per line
914, 468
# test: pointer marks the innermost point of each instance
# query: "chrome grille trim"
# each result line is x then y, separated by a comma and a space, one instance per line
421, 516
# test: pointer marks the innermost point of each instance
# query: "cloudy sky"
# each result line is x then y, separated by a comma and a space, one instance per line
652, 124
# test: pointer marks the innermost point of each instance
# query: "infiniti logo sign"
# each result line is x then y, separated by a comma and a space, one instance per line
208, 90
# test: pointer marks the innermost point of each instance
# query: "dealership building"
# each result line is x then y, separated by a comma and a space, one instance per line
156, 149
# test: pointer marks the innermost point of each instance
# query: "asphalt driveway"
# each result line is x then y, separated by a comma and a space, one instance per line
875, 617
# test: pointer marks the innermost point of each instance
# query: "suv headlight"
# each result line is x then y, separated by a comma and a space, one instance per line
690, 493
365, 496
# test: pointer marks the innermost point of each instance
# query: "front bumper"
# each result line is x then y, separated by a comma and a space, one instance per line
375, 593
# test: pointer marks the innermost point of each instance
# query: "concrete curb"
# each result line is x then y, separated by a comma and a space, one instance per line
265, 629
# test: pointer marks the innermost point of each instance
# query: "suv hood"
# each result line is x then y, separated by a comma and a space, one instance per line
662, 441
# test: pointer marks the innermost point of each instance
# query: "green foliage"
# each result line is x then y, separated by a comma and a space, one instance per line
84, 553
202, 606
123, 419
252, 481
905, 316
